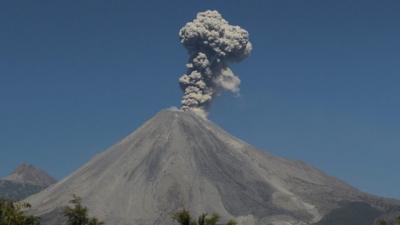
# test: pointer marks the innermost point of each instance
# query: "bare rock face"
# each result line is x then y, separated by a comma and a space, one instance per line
26, 173
23, 182
179, 160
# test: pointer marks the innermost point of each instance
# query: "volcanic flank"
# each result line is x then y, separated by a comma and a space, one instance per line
180, 160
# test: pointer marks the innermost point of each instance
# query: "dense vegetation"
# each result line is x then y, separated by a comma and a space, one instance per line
12, 214
183, 217
78, 214
383, 222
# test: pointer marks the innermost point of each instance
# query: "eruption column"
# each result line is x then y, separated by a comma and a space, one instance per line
212, 44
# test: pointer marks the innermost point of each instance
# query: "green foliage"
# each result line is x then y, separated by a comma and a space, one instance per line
205, 219
231, 222
381, 222
78, 214
12, 214
183, 217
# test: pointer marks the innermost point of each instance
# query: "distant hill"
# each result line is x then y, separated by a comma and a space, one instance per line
23, 182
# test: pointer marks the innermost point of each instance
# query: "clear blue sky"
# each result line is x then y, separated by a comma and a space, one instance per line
322, 83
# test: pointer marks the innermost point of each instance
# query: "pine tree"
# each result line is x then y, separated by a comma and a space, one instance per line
78, 214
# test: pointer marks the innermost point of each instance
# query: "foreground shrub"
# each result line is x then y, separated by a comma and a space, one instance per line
12, 213
183, 217
78, 214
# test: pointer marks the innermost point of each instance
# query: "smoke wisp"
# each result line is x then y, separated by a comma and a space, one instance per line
212, 44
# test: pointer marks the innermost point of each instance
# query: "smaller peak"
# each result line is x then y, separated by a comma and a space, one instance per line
27, 173
24, 166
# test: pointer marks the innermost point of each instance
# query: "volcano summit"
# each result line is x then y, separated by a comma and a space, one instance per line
179, 160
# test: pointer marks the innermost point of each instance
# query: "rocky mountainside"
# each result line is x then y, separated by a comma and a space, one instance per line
179, 160
26, 173
23, 182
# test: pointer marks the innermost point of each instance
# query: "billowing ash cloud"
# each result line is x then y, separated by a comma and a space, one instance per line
212, 44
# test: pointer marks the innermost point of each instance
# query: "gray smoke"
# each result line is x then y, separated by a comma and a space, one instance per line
212, 44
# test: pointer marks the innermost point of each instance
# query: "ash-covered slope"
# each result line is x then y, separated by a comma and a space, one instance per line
179, 160
23, 182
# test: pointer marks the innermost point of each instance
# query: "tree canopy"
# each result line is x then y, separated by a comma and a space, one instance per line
77, 214
12, 213
183, 217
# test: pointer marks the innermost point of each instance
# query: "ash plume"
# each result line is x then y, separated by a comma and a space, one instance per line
212, 44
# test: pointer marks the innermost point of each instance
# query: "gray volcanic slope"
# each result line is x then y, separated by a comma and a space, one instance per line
179, 160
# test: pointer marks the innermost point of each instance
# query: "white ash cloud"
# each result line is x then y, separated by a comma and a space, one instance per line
212, 44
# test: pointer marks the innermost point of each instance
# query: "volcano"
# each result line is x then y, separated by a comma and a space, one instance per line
179, 160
